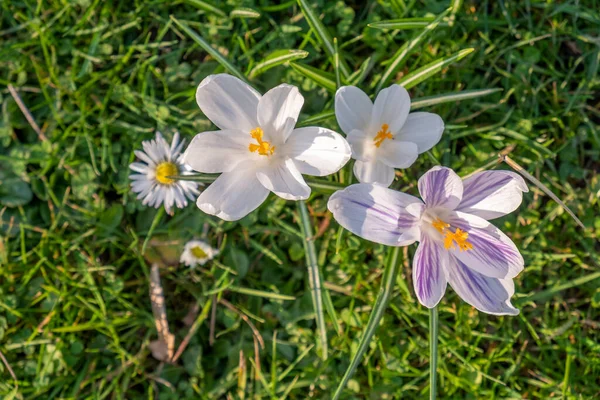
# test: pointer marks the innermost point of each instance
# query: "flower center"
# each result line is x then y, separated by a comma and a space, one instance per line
383, 134
164, 170
263, 147
198, 252
458, 237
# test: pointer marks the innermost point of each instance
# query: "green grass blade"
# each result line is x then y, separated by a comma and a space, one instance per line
322, 34
385, 291
450, 97
276, 58
260, 293
404, 23
244, 13
396, 61
323, 79
314, 275
423, 73
209, 49
202, 5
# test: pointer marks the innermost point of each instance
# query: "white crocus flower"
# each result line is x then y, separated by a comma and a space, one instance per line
152, 181
197, 252
257, 149
384, 136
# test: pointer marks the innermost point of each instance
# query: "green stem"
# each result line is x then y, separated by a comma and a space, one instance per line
314, 275
433, 352
385, 291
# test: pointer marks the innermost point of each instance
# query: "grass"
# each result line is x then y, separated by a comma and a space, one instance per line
97, 78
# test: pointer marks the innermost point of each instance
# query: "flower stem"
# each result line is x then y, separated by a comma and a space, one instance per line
433, 352
314, 275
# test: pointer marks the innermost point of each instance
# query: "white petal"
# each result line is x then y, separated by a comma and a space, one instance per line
228, 102
353, 109
363, 147
489, 295
317, 151
397, 154
493, 253
234, 194
218, 151
422, 128
284, 180
441, 187
374, 172
375, 213
278, 112
139, 167
391, 107
144, 157
430, 272
492, 194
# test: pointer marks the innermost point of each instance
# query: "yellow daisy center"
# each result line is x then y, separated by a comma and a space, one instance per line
164, 170
452, 239
198, 252
383, 134
263, 147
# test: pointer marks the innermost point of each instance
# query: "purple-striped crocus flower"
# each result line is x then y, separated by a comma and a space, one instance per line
457, 244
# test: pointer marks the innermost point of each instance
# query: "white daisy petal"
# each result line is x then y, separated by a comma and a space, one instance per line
278, 112
228, 102
422, 128
218, 151
374, 172
317, 151
353, 109
197, 252
391, 107
284, 180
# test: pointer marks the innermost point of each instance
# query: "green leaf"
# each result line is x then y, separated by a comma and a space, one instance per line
209, 49
110, 219
450, 97
396, 61
14, 192
205, 6
404, 23
323, 79
239, 260
322, 35
276, 58
385, 291
423, 73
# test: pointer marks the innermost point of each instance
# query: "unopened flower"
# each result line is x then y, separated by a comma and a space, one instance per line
384, 136
197, 252
152, 182
457, 243
257, 149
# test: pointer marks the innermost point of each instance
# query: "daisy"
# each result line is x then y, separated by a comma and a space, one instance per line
384, 136
257, 149
197, 252
457, 244
152, 182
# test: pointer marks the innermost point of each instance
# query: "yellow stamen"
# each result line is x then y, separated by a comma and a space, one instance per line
383, 134
198, 252
263, 147
452, 239
164, 170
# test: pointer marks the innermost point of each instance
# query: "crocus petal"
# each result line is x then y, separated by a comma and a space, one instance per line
489, 295
493, 253
430, 265
375, 213
284, 180
397, 154
353, 109
362, 147
391, 107
218, 151
492, 194
228, 102
422, 128
317, 151
234, 194
278, 112
441, 187
374, 172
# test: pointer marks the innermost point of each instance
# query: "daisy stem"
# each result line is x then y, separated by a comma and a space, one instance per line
433, 352
314, 275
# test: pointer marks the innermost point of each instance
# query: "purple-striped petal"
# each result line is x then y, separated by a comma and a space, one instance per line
430, 270
441, 187
489, 295
376, 213
493, 253
492, 194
